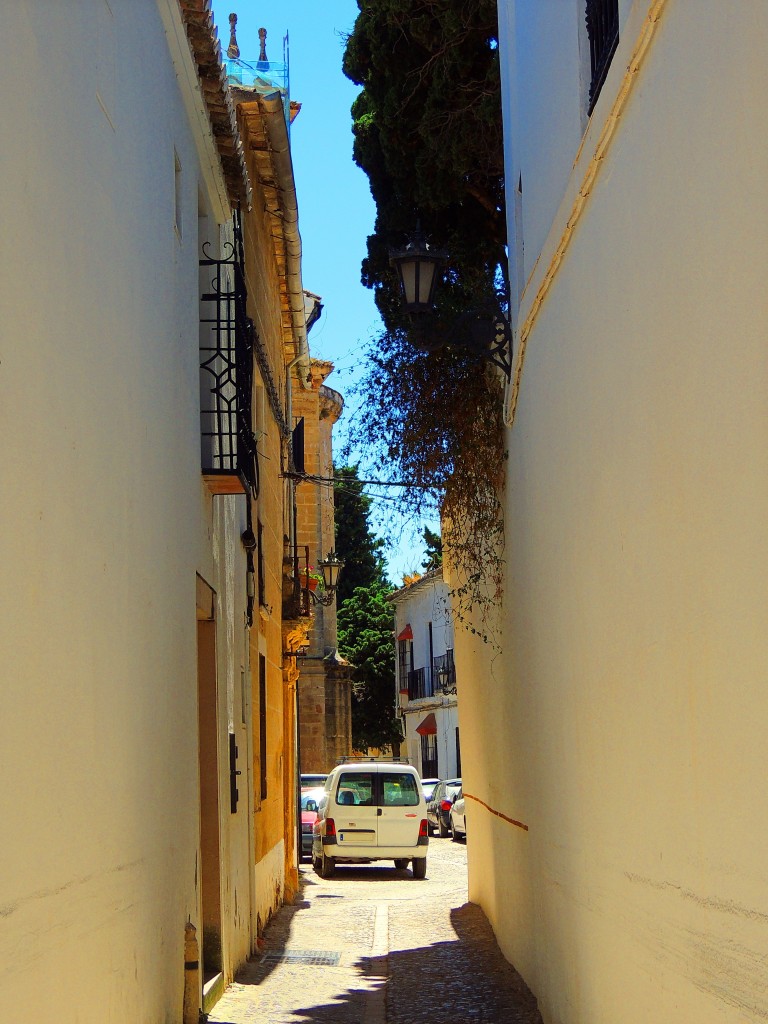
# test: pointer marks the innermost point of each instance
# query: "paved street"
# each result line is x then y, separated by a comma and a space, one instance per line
374, 946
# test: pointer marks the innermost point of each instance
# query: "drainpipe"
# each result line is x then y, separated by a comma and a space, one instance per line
271, 106
289, 417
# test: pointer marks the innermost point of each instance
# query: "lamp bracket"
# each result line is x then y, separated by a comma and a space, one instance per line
487, 332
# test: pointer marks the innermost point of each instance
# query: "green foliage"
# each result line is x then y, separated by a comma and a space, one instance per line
433, 556
428, 133
360, 551
366, 623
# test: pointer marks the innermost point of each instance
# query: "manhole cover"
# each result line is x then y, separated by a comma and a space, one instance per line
310, 957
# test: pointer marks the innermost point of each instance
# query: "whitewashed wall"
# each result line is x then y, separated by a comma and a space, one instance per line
103, 526
424, 602
627, 880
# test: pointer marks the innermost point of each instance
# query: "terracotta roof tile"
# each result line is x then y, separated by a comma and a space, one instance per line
204, 43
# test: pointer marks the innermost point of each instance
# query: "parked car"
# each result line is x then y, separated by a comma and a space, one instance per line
458, 817
310, 802
371, 811
312, 780
439, 806
428, 785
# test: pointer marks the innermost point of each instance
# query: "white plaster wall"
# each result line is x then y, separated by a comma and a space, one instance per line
269, 881
428, 602
100, 502
544, 111
419, 605
633, 679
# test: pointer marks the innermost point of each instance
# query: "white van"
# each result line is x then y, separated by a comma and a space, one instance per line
371, 811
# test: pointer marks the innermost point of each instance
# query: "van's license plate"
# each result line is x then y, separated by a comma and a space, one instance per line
363, 837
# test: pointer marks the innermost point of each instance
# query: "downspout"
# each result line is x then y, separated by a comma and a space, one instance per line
280, 149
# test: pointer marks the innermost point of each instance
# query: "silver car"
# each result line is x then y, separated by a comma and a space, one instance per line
458, 817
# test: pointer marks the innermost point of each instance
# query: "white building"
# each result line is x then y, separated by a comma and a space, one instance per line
426, 676
615, 756
127, 741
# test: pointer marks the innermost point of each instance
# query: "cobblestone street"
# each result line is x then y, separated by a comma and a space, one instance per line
387, 949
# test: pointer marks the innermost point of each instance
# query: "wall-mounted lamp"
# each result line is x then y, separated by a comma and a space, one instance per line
444, 674
445, 684
418, 266
330, 567
300, 652
484, 330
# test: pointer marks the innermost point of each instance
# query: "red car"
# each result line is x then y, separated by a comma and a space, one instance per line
310, 801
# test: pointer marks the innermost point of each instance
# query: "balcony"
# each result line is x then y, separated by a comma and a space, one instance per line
228, 444
297, 585
263, 76
419, 684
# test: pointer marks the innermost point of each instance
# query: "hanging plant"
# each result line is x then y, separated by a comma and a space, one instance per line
434, 420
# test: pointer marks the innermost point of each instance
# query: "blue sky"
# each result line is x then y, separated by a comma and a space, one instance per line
336, 211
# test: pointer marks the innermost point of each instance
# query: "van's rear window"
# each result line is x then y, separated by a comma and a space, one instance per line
355, 788
399, 790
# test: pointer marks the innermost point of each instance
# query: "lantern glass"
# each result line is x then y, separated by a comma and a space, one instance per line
417, 267
417, 278
331, 566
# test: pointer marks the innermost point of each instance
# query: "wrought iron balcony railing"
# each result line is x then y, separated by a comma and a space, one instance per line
419, 684
297, 584
227, 336
603, 32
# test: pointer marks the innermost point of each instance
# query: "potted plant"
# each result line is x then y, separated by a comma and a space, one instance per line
310, 578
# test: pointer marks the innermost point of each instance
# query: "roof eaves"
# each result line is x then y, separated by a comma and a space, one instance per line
433, 576
203, 39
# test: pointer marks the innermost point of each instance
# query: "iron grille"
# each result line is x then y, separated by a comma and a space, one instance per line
419, 684
603, 32
226, 367
310, 957
429, 757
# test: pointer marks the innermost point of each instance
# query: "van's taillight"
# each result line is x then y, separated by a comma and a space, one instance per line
445, 805
330, 827
424, 827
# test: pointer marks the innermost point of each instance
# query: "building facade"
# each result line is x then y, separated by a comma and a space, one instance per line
147, 740
613, 757
325, 687
426, 676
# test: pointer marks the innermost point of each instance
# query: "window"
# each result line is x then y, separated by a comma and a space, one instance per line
603, 32
429, 757
355, 788
404, 661
263, 725
260, 564
399, 790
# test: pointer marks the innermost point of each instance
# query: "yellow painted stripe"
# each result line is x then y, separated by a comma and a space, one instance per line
504, 817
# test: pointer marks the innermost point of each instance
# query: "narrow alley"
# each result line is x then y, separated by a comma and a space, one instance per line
374, 946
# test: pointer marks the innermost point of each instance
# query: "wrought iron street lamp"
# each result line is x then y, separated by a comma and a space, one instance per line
330, 566
484, 330
418, 266
446, 680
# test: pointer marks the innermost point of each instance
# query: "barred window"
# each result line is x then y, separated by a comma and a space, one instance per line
603, 32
